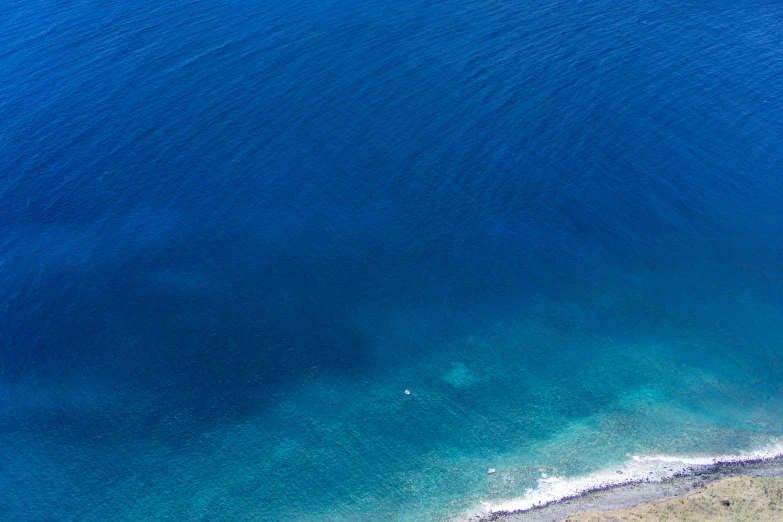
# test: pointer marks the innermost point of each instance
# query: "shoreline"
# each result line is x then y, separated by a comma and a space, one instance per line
623, 496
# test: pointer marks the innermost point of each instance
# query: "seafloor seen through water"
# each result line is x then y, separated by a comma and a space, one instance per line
232, 234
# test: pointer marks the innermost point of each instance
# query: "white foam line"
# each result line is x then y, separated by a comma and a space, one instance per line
636, 469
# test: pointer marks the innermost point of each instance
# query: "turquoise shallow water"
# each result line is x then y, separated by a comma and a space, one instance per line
233, 234
567, 386
559, 387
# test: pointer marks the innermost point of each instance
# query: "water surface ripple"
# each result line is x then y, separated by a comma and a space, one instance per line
233, 233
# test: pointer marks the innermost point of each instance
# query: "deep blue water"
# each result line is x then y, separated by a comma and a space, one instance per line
233, 233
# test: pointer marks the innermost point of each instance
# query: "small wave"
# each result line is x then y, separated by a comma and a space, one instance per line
636, 469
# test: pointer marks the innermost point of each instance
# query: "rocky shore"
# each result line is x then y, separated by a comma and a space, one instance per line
739, 499
748, 499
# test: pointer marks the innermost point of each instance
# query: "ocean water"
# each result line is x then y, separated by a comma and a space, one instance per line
234, 233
